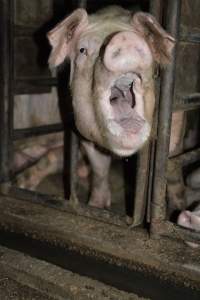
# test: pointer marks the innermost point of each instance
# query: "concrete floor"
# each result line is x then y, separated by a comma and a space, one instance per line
25, 278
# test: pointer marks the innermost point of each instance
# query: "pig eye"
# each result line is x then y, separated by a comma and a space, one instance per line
83, 51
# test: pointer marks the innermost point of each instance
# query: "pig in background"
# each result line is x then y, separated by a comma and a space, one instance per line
184, 187
29, 111
191, 220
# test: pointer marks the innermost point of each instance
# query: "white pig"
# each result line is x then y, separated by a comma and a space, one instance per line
113, 55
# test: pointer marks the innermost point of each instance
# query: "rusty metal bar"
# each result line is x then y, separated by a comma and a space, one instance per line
6, 93
158, 211
35, 131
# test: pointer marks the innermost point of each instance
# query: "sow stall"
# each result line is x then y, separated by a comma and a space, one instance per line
149, 250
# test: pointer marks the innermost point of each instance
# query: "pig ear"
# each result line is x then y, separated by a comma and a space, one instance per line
159, 41
62, 36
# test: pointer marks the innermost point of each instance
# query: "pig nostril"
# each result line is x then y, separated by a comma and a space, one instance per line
112, 100
116, 53
133, 96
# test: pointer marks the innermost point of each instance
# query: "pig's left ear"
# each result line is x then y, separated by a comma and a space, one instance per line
159, 41
62, 36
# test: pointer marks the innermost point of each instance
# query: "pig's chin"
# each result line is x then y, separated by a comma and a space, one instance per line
127, 129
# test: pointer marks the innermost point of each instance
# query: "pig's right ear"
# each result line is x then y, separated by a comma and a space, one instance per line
62, 36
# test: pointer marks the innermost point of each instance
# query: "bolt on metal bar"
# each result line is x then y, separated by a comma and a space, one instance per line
6, 84
158, 211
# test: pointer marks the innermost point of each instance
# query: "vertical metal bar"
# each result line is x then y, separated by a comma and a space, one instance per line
73, 166
143, 166
74, 146
141, 186
155, 8
158, 209
6, 94
82, 3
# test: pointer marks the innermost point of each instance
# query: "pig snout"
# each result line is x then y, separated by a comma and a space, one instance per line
125, 52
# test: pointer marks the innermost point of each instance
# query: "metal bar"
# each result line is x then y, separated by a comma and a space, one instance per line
73, 166
37, 81
169, 229
155, 8
188, 102
190, 38
143, 163
187, 158
59, 203
22, 31
6, 93
74, 148
82, 3
33, 85
35, 131
158, 211
141, 186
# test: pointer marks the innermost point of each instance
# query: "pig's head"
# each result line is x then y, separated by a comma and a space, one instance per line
113, 57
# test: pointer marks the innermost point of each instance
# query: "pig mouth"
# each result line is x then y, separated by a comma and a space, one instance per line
123, 103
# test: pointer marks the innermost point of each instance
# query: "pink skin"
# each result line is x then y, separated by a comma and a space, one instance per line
190, 220
126, 52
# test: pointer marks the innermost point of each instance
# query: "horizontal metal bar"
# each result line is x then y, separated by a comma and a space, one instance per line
188, 157
24, 30
190, 38
36, 131
59, 203
189, 102
48, 81
169, 229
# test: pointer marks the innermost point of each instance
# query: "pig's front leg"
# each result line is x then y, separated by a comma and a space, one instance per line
100, 165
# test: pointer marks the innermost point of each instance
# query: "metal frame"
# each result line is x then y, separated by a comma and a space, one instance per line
156, 196
159, 225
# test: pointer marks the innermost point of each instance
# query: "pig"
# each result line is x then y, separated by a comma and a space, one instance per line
113, 56
29, 111
191, 220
